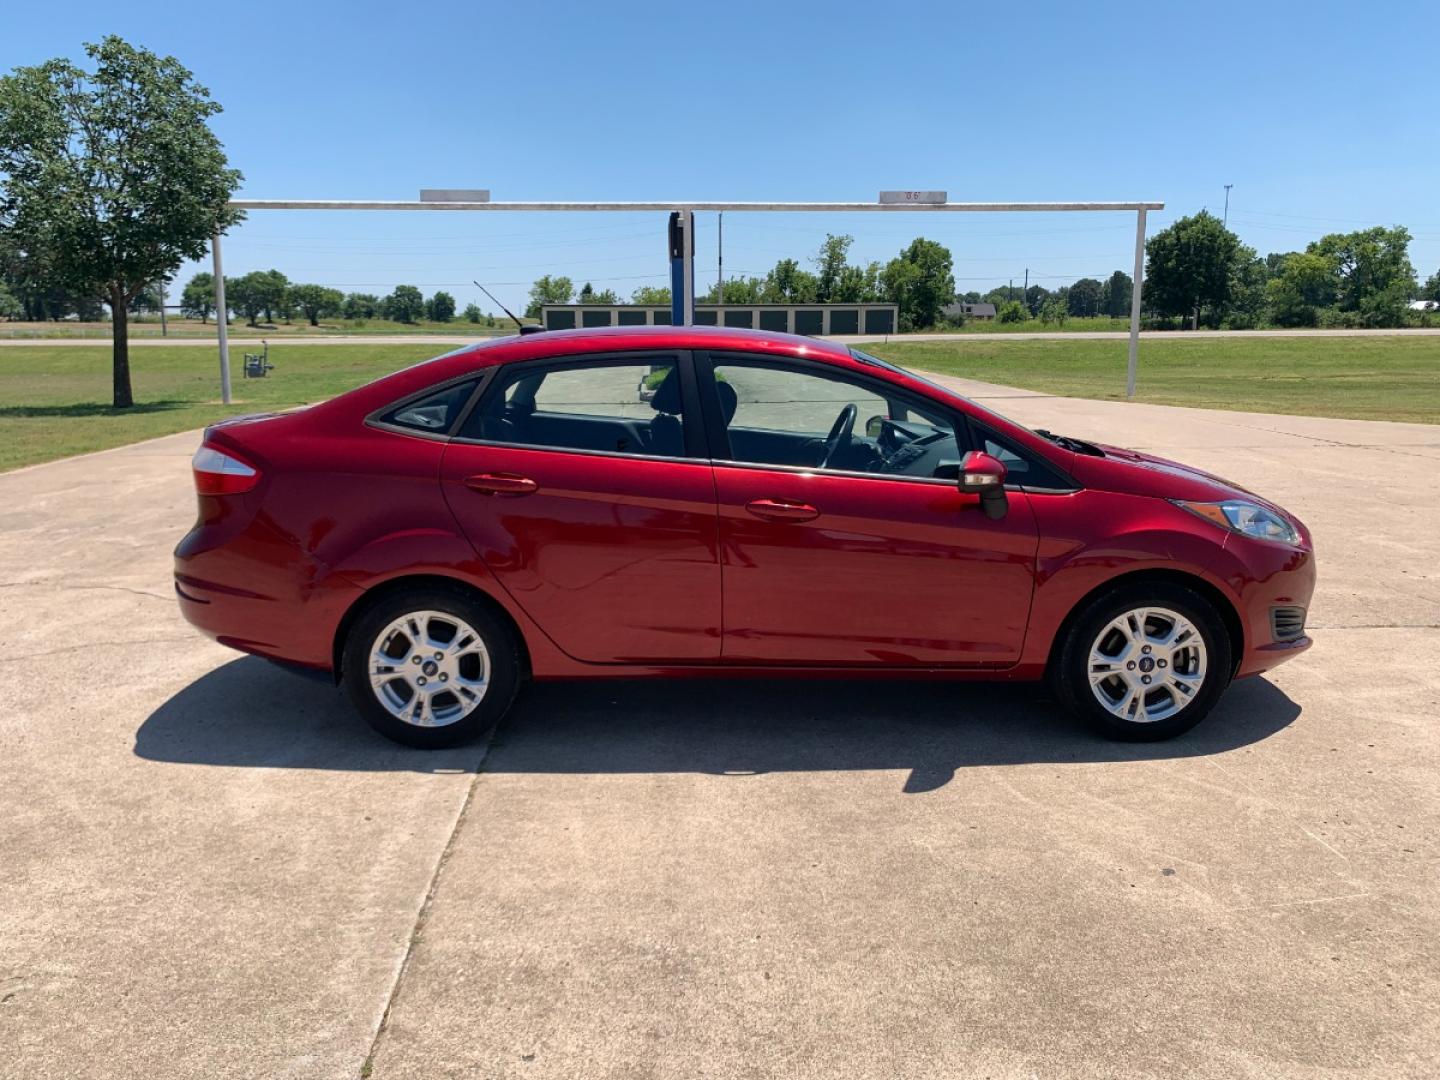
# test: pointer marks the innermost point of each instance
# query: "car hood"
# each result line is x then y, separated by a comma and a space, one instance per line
1132, 472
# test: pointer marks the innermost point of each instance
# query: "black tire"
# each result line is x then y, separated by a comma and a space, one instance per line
501, 661
1070, 674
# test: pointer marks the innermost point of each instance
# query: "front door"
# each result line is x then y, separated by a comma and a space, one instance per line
575, 482
839, 546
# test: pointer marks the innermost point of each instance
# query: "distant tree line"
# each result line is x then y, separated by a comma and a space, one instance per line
1197, 273
271, 295
918, 279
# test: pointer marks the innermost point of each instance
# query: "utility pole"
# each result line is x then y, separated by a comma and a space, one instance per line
720, 258
1025, 296
1226, 220
222, 320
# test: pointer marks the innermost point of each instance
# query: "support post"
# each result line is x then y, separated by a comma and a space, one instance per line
688, 226
1135, 286
220, 320
677, 269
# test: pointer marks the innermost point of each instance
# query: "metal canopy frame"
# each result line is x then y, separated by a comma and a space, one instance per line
687, 211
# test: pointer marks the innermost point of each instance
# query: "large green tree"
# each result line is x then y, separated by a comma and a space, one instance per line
317, 301
738, 290
548, 290
1084, 299
788, 284
1248, 277
360, 305
406, 304
1377, 279
1306, 284
440, 307
1191, 266
1115, 301
830, 265
590, 295
244, 295
920, 281
651, 294
258, 292
114, 174
1431, 289
197, 299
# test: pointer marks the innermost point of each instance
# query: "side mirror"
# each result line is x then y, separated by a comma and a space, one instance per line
982, 474
875, 426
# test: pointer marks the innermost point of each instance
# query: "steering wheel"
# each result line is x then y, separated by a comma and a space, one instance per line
840, 434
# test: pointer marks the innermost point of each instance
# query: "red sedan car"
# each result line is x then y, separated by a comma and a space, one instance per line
699, 501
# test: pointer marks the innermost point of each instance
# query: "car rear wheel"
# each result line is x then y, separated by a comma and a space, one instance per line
1145, 662
430, 667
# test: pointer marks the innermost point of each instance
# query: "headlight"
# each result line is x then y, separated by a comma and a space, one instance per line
1245, 518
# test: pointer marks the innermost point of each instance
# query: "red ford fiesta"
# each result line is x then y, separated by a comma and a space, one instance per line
680, 501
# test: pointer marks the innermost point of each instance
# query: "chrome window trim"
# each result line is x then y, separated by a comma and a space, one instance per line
459, 440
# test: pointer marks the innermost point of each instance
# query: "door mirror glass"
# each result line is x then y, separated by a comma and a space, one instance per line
875, 426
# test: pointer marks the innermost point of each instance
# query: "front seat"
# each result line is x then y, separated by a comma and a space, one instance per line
729, 401
667, 434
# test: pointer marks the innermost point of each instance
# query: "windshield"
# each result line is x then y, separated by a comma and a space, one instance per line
866, 358
1064, 441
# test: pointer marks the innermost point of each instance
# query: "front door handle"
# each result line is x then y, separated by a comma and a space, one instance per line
498, 483
782, 510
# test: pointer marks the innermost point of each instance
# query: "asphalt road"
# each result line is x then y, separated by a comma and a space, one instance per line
209, 867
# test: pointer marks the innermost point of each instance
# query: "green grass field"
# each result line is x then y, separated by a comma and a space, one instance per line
149, 327
53, 399
1362, 378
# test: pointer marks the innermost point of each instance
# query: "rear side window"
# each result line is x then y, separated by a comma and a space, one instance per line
434, 413
631, 406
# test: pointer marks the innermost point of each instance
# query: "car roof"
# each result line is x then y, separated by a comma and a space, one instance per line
547, 343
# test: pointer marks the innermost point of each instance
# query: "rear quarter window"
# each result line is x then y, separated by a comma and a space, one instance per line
434, 413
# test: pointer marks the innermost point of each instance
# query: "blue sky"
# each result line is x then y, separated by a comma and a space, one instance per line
1321, 115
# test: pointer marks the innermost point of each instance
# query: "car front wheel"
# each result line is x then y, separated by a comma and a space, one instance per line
1145, 662
430, 668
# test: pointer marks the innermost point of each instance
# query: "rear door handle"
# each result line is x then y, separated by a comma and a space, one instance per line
496, 483
782, 510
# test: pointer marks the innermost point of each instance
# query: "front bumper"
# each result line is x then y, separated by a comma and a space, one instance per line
1263, 578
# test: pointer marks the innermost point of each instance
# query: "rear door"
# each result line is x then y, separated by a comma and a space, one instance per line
582, 483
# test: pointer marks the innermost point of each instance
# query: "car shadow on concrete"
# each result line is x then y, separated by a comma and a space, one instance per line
250, 713
253, 714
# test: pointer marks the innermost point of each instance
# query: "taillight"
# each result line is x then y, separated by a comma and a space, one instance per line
217, 473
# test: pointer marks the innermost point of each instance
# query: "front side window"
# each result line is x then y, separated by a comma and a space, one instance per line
626, 407
1022, 469
815, 419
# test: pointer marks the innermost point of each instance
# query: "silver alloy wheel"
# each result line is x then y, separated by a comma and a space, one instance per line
429, 668
1147, 664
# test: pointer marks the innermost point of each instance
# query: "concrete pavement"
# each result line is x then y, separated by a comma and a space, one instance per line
208, 867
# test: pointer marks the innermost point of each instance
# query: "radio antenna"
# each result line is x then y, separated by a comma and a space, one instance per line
497, 303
